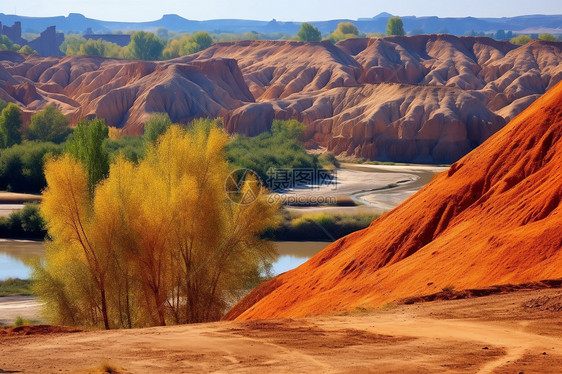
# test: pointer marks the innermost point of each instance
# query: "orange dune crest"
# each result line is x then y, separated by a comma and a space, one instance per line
493, 218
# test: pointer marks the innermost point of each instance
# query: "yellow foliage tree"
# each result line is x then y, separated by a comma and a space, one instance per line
159, 243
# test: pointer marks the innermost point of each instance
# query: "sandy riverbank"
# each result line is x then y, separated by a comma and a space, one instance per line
376, 188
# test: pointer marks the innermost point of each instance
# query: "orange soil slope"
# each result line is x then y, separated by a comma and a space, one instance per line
495, 217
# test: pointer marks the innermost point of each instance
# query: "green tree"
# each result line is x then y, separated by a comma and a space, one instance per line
348, 28
145, 46
71, 44
116, 261
500, 35
27, 50
291, 129
187, 44
10, 126
521, 39
21, 166
99, 48
162, 33
86, 144
547, 37
345, 30
308, 33
49, 125
7, 45
395, 26
200, 40
157, 124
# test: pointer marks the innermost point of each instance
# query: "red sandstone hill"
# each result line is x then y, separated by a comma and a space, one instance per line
427, 98
494, 218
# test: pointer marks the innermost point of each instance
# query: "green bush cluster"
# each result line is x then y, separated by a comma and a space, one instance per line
280, 148
132, 147
15, 287
21, 166
26, 223
345, 30
313, 227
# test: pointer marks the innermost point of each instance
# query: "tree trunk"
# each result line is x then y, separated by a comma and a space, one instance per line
104, 309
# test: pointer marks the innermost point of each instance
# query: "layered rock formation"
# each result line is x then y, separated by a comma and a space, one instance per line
455, 92
124, 93
427, 98
494, 218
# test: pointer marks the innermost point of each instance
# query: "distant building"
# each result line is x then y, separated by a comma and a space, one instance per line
13, 33
47, 44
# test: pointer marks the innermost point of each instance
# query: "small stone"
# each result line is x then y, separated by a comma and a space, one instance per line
485, 348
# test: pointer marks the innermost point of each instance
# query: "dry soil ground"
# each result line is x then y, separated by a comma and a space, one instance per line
507, 333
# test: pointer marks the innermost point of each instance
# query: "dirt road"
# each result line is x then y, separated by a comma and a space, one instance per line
492, 334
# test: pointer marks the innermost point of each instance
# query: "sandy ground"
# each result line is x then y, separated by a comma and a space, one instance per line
491, 334
12, 307
10, 202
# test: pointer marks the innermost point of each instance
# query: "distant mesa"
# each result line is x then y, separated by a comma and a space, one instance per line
494, 218
457, 26
47, 44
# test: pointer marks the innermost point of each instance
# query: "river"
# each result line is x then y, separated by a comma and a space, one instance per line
376, 188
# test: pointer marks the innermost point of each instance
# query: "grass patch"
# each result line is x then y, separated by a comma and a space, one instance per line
313, 226
21, 322
15, 287
448, 288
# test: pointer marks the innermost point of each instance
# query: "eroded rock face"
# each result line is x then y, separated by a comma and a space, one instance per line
454, 93
493, 218
426, 98
278, 69
125, 93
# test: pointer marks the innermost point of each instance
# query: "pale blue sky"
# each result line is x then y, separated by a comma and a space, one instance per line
295, 10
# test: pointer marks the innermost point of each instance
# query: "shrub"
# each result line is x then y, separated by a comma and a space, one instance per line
280, 148
49, 125
308, 33
395, 26
448, 288
21, 166
15, 286
10, 126
345, 30
313, 226
521, 39
547, 37
157, 124
26, 223
133, 148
